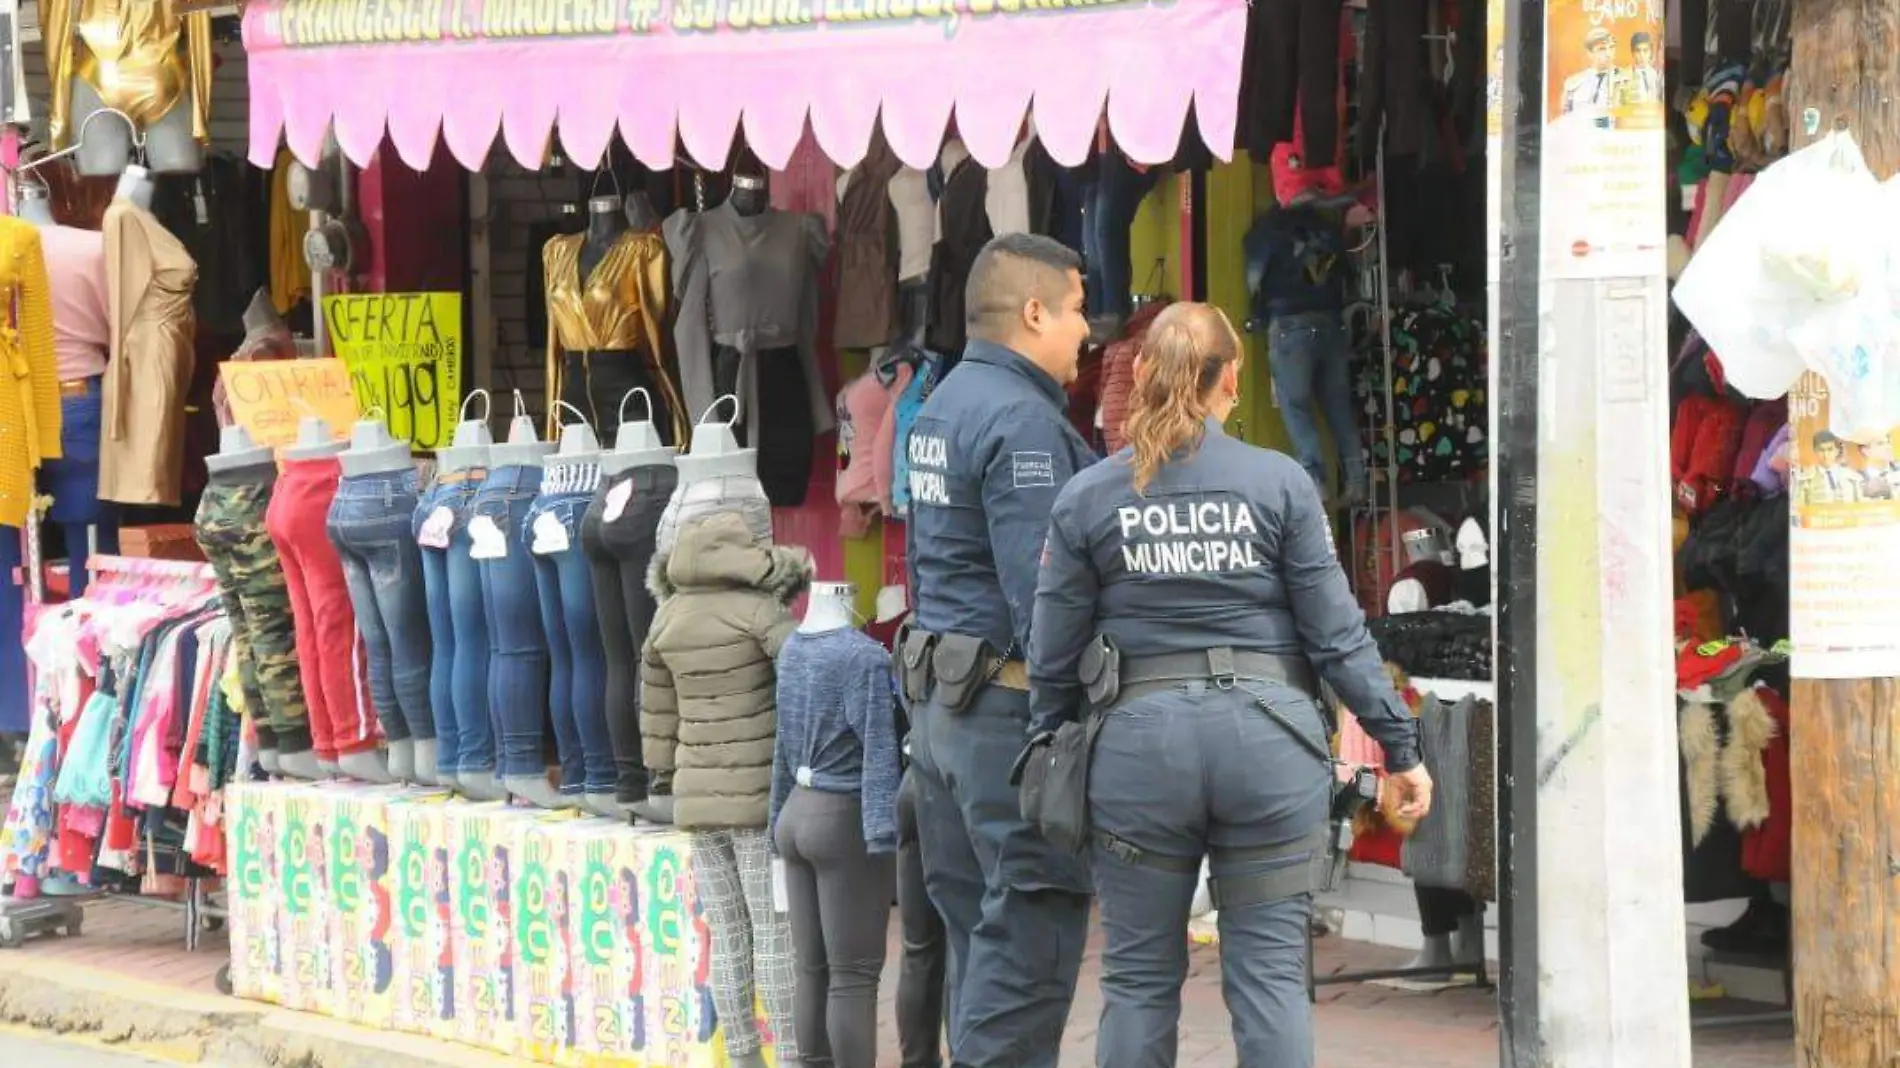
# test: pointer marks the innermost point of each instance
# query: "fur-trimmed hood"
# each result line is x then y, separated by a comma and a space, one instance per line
719, 551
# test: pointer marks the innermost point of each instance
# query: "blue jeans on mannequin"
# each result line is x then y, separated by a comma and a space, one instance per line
73, 482
577, 692
448, 688
370, 525
517, 644
1312, 374
1113, 198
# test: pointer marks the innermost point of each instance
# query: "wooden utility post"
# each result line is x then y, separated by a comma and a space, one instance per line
1845, 740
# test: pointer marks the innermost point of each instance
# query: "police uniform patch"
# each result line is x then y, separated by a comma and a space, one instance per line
1032, 469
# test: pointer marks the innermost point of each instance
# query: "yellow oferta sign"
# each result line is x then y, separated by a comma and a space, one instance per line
404, 354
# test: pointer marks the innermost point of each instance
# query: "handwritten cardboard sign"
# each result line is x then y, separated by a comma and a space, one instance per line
269, 397
404, 354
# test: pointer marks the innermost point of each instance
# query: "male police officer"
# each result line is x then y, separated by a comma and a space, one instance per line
988, 453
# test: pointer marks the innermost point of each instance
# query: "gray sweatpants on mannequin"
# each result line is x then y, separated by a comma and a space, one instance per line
840, 899
751, 942
1191, 772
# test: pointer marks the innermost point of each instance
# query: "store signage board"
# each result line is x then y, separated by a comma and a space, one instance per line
270, 397
404, 355
415, 72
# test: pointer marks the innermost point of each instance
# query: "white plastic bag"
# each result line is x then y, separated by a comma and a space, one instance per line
1754, 279
1855, 346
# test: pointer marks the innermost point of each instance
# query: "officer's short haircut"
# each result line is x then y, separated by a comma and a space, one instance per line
1009, 272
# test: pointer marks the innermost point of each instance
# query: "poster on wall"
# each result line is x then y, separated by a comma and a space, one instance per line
1845, 538
270, 397
404, 355
1605, 172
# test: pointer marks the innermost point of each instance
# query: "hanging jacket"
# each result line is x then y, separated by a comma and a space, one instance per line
708, 714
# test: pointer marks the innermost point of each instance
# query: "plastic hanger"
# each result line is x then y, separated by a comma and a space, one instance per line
578, 441
716, 452
524, 447
637, 443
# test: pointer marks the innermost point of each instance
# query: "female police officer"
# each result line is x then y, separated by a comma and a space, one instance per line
1189, 595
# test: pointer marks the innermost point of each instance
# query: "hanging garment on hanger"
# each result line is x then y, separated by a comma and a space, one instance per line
1291, 64
29, 405
963, 228
868, 249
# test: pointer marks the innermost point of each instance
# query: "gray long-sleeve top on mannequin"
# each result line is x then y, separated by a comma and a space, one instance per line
749, 283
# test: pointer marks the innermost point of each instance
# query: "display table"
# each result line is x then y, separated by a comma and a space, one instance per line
564, 939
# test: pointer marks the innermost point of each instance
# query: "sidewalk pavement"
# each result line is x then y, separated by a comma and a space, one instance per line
129, 982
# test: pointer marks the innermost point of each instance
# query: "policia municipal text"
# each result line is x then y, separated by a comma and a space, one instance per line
1188, 593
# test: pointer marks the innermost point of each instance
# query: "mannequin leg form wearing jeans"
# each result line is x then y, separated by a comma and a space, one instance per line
517, 644
577, 695
85, 521
751, 943
618, 552
1310, 363
370, 525
839, 897
467, 634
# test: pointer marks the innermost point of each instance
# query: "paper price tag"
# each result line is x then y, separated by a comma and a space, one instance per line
550, 535
435, 529
617, 499
781, 898
487, 542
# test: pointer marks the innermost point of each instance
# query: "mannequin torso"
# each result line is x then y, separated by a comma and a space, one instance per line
749, 197
236, 450
373, 451
606, 221
314, 441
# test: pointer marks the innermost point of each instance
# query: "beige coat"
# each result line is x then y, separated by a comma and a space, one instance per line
708, 706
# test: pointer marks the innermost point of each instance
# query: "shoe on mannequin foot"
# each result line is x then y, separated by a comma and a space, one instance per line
267, 759
601, 805
654, 810
330, 769
425, 773
534, 789
480, 786
402, 761
1435, 957
366, 766
299, 766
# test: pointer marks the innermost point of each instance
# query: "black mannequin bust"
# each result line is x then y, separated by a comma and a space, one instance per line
606, 221
748, 194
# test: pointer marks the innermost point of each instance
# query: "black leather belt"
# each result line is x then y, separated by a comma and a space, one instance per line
1222, 666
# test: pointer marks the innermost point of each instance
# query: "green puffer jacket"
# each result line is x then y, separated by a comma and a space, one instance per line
708, 705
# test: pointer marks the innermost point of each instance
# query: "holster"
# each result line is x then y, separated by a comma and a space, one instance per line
959, 667
1053, 788
913, 663
1100, 671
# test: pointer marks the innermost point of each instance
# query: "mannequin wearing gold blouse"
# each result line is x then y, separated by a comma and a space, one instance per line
605, 336
141, 57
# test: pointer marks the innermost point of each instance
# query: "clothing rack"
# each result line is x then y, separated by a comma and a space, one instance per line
127, 574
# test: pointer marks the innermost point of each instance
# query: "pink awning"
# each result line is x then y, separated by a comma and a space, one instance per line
532, 69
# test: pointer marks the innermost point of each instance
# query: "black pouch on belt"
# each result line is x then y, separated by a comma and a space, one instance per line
913, 663
960, 665
1052, 784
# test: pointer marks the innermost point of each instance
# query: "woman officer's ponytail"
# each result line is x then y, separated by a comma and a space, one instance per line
1186, 349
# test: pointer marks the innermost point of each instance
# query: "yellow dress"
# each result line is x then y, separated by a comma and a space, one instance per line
620, 308
127, 50
29, 406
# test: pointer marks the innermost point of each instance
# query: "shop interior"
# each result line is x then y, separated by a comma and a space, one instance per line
600, 324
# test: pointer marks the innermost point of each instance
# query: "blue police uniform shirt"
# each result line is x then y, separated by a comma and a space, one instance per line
1228, 546
988, 454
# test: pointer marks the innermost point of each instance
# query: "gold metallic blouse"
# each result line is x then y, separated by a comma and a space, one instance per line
621, 307
128, 50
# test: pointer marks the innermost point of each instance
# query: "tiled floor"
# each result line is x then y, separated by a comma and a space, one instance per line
1359, 1026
